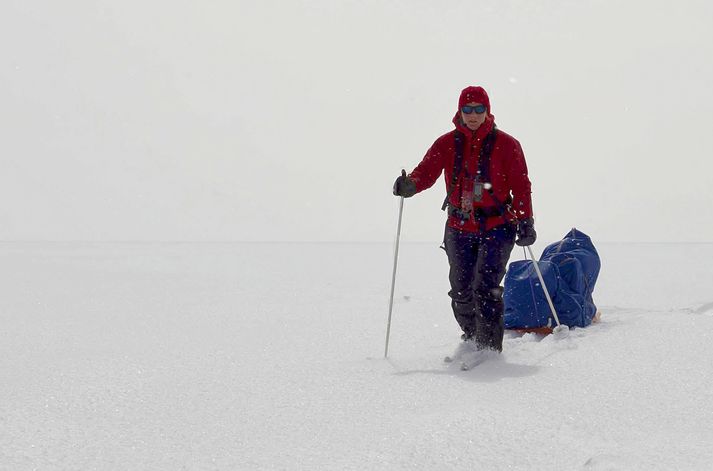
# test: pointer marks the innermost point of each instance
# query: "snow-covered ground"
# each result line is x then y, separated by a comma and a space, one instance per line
269, 356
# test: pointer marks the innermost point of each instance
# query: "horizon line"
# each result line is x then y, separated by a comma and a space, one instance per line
354, 242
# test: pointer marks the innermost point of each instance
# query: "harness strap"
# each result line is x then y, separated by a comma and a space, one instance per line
486, 212
483, 176
485, 152
458, 138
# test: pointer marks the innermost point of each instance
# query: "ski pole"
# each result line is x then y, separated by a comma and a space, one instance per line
393, 274
559, 327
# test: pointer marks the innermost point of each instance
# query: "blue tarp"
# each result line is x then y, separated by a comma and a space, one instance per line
570, 269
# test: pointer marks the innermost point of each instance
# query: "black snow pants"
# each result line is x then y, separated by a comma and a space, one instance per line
477, 266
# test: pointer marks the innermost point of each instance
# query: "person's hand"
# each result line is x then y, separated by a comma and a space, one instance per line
404, 186
526, 234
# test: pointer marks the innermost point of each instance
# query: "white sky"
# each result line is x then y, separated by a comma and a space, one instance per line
289, 120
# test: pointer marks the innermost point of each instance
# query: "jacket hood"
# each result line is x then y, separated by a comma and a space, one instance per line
481, 132
474, 95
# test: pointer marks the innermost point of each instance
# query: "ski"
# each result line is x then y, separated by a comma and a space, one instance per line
468, 356
471, 363
472, 359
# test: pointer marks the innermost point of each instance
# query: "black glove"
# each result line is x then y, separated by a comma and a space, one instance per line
526, 234
404, 186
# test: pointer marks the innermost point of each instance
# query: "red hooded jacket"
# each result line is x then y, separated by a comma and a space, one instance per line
508, 173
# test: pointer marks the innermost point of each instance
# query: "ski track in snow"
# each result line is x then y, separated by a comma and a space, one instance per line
705, 309
269, 356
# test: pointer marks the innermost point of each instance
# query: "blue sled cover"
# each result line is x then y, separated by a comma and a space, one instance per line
570, 269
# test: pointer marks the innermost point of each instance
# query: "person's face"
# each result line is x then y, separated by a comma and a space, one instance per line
473, 120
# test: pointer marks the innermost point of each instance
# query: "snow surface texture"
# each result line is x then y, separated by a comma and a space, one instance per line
269, 356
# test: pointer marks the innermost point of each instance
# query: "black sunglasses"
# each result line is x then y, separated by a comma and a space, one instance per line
480, 109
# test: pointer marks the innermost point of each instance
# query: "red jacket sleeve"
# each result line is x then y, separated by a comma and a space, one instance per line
520, 184
427, 172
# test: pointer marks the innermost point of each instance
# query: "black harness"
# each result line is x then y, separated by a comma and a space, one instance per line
482, 176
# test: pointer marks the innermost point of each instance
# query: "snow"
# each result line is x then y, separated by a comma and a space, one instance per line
269, 356
288, 121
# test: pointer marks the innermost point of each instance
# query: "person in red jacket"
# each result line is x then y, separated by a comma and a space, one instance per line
489, 210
